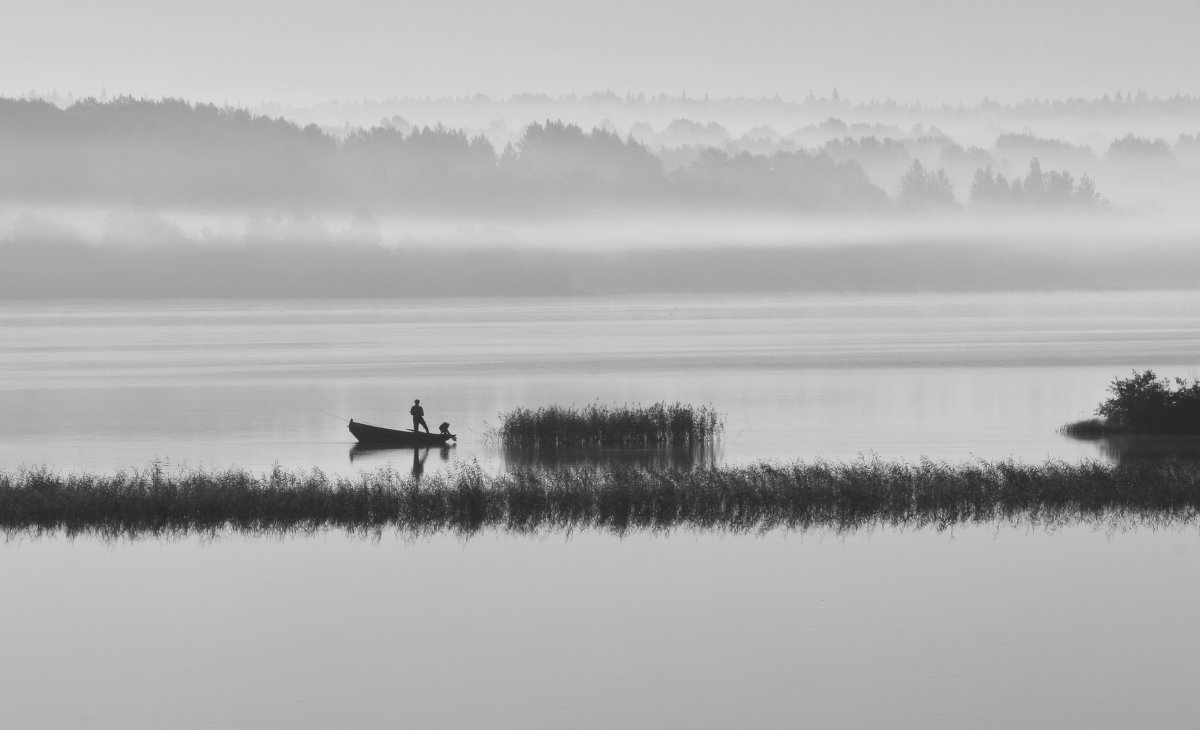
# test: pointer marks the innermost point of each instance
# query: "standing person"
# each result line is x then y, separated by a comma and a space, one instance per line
418, 414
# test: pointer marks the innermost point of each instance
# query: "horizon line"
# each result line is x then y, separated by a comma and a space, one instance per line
834, 97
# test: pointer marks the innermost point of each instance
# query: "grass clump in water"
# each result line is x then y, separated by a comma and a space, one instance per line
1144, 403
595, 425
799, 495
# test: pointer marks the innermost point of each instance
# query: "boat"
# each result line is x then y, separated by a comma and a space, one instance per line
379, 436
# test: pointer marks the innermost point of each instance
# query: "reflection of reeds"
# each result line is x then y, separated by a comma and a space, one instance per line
598, 425
654, 457
795, 495
1092, 428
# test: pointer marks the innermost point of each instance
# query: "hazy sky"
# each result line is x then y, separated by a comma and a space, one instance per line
302, 51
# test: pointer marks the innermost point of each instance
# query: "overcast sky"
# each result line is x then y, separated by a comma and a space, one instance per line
304, 51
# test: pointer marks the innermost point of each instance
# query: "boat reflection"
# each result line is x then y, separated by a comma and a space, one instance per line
685, 457
370, 452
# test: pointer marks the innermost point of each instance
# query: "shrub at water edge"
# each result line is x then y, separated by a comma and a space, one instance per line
1144, 403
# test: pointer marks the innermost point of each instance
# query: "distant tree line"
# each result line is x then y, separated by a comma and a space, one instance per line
171, 152
1123, 105
1046, 189
924, 189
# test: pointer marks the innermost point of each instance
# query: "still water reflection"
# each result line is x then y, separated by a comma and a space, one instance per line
1142, 447
653, 458
976, 627
370, 455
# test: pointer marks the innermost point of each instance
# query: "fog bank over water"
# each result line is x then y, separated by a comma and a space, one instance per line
167, 198
140, 228
306, 270
478, 158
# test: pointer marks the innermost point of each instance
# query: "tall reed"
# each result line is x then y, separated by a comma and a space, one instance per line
599, 425
763, 496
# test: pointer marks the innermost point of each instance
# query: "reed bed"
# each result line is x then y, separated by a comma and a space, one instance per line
761, 497
597, 425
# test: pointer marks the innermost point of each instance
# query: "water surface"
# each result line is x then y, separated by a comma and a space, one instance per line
978, 627
103, 385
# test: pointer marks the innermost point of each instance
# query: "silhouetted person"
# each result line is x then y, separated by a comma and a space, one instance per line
418, 414
444, 430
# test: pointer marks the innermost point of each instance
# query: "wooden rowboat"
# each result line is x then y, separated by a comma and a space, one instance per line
378, 436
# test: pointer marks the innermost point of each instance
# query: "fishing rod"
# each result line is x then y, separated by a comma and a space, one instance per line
346, 420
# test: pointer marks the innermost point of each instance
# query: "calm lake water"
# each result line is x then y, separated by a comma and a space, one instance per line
982, 626
216, 384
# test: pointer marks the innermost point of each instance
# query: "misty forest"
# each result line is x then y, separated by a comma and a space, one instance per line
590, 194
